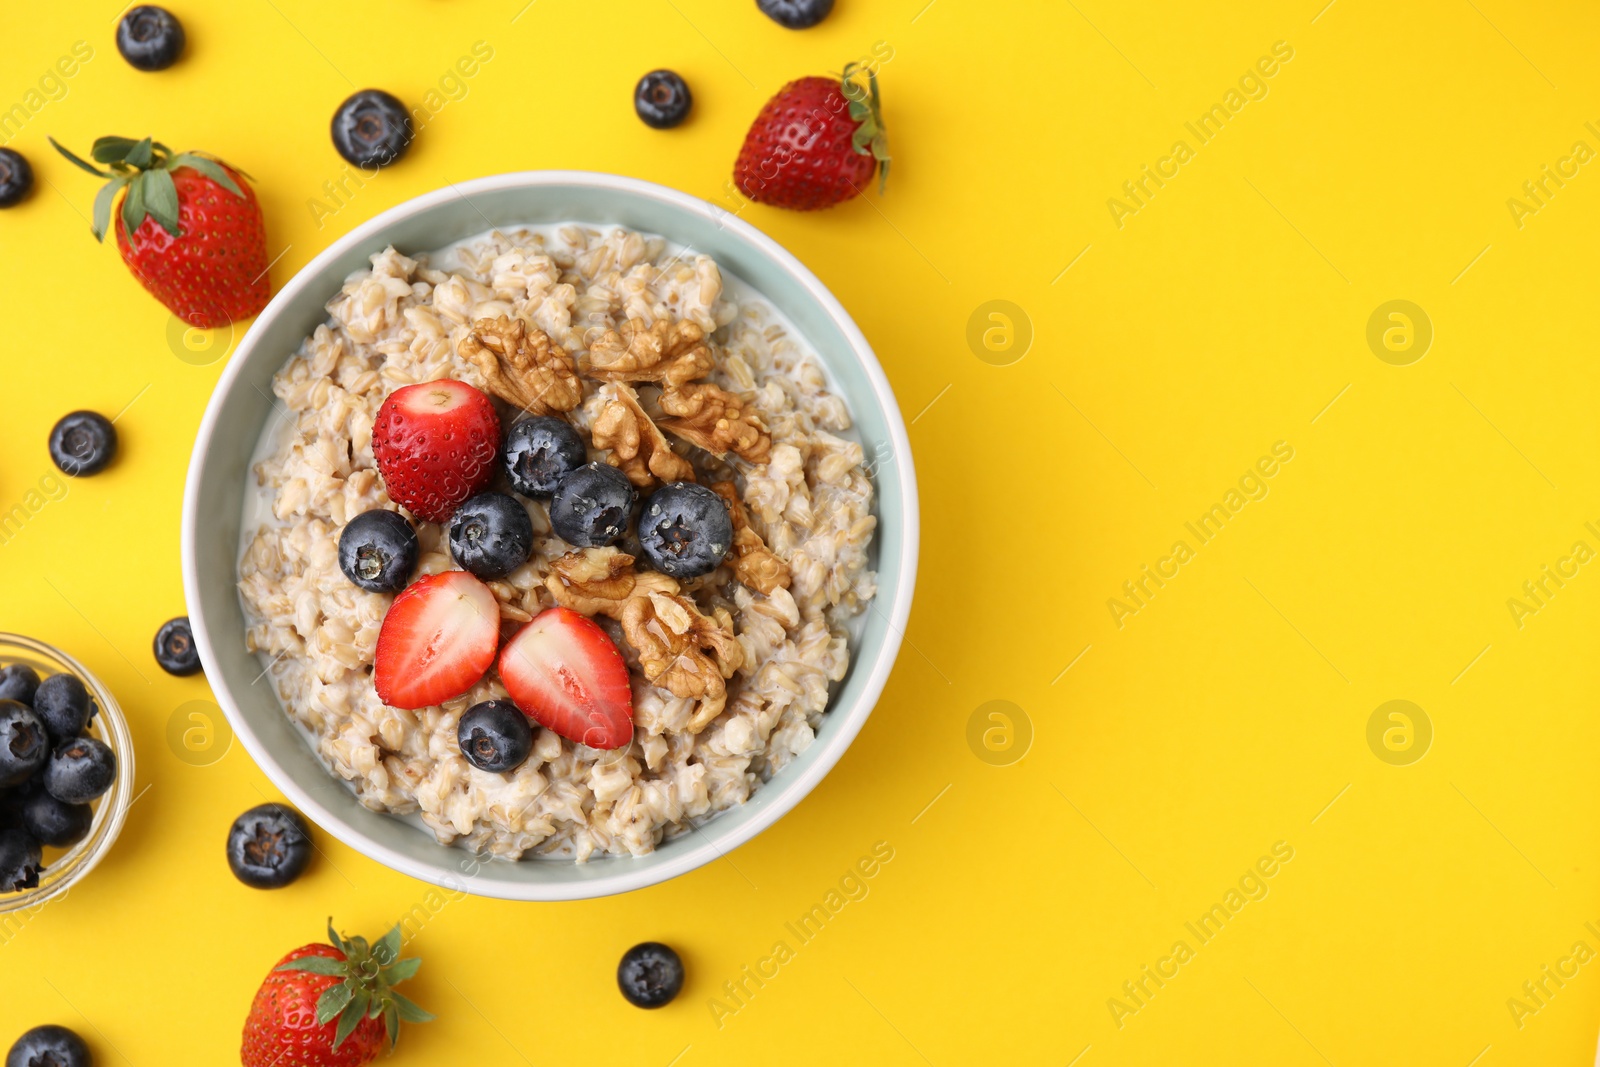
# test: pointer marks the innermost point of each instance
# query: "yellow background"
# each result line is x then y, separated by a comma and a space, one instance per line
1229, 713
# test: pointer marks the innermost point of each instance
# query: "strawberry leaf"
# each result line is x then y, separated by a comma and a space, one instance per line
387, 950
112, 149
401, 971
391, 1023
96, 171
351, 1017
139, 155
409, 1011
332, 1002
133, 210
209, 168
333, 935
161, 198
324, 965
102, 206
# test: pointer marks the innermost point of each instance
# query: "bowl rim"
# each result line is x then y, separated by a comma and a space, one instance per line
707, 845
111, 813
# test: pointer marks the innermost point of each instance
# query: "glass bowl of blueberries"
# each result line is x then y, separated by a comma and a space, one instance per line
66, 772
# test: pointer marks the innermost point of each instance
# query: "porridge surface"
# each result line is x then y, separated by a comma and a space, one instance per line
809, 501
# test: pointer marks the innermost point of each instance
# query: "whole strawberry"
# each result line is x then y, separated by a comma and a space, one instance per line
815, 144
330, 1005
188, 227
436, 444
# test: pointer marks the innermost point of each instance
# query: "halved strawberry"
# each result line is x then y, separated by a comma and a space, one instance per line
437, 641
564, 673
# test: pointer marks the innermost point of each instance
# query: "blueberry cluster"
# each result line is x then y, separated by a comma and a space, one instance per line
50, 769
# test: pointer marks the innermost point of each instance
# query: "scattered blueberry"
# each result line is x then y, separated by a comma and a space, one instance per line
378, 551
662, 99
795, 14
491, 535
82, 443
685, 530
24, 743
19, 864
592, 505
150, 37
64, 705
16, 177
269, 846
80, 770
540, 450
175, 649
372, 129
495, 736
18, 682
650, 975
54, 822
49, 1046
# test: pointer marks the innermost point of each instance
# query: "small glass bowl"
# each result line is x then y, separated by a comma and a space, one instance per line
64, 868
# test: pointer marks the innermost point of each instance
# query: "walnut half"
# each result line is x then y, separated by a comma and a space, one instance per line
754, 564
716, 420
522, 366
637, 447
673, 353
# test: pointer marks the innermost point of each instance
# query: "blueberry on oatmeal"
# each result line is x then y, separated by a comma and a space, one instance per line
662, 99
650, 975
592, 505
372, 129
175, 648
491, 535
685, 530
16, 177
80, 770
269, 846
540, 451
24, 743
83, 443
150, 38
18, 682
378, 551
495, 736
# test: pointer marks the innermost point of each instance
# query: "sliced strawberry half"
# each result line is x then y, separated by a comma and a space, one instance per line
565, 674
437, 641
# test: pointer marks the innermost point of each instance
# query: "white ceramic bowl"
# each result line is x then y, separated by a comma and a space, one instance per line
219, 472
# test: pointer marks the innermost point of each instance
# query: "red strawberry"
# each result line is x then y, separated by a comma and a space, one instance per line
564, 673
437, 641
189, 228
815, 144
330, 1005
436, 445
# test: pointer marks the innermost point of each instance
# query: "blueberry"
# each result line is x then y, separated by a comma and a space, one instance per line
19, 865
175, 649
491, 535
649, 975
64, 705
495, 736
54, 822
24, 743
16, 177
80, 770
269, 846
150, 38
662, 99
592, 505
18, 682
795, 14
372, 129
540, 450
378, 551
82, 443
49, 1046
685, 530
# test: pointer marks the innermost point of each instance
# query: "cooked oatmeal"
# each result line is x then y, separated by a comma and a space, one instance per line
776, 613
